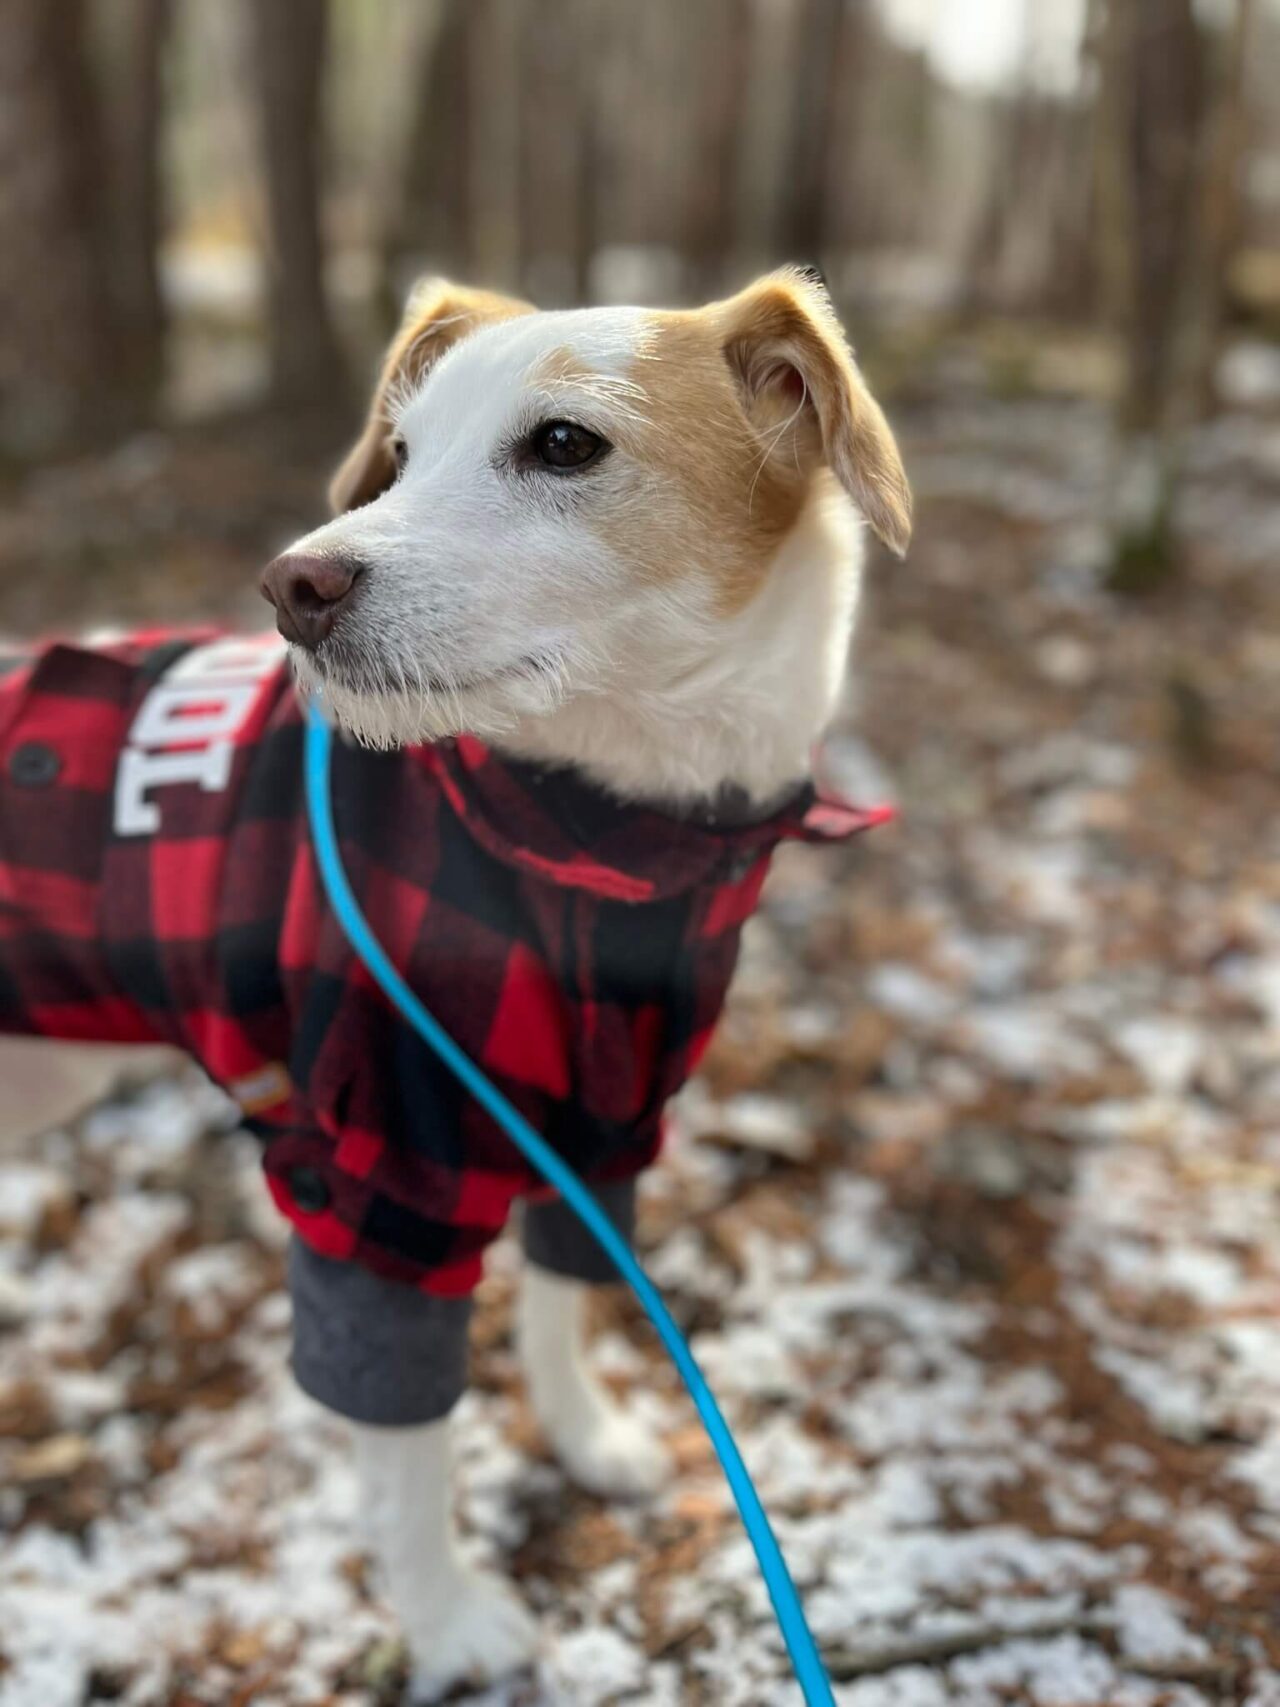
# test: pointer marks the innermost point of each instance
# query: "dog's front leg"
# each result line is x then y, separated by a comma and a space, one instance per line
460, 1623
393, 1361
603, 1447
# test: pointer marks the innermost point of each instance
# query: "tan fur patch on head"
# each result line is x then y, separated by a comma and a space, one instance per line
706, 464
743, 404
438, 316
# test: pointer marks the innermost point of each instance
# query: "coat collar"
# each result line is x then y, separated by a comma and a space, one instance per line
556, 824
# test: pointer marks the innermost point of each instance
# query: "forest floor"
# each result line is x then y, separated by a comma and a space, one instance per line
971, 1217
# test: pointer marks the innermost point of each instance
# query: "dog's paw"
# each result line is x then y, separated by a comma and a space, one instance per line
484, 1633
613, 1454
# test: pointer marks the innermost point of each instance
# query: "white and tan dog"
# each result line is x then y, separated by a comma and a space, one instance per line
619, 540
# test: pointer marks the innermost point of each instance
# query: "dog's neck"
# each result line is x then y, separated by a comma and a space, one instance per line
745, 718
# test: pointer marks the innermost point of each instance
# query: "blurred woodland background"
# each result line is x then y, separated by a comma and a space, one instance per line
971, 1213
205, 209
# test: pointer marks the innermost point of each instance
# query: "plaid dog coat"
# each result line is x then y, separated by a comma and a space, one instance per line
157, 884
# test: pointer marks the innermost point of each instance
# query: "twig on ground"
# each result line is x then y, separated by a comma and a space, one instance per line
845, 1664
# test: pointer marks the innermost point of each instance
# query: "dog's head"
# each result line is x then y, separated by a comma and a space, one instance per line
547, 505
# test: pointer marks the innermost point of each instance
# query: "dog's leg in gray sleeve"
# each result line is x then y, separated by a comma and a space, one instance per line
392, 1360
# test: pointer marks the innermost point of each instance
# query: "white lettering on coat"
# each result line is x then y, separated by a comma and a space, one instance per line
185, 731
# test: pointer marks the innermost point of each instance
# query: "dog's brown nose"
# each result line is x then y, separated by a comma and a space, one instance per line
308, 590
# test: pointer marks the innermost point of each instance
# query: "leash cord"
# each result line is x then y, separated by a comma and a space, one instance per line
805, 1659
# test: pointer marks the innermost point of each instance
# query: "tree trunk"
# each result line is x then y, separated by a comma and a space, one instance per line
1164, 75
1185, 136
1222, 206
139, 36
494, 163
55, 327
856, 146
557, 152
431, 223
803, 231
1069, 285
288, 49
724, 43
1149, 178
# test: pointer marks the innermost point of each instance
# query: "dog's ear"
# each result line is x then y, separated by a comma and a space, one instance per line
802, 390
438, 315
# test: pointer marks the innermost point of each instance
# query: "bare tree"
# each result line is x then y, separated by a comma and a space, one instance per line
1226, 140
558, 162
1030, 244
711, 202
1159, 111
55, 342
1163, 70
135, 45
803, 222
494, 72
289, 39
858, 177
431, 220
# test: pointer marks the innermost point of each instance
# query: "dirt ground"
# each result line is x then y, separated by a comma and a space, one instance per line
972, 1216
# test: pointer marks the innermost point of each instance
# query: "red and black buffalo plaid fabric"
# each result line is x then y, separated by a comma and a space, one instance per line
157, 884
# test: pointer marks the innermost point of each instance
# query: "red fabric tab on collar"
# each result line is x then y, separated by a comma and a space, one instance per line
831, 820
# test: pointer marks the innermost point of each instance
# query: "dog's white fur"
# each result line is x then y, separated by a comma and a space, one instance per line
672, 620
461, 1622
725, 701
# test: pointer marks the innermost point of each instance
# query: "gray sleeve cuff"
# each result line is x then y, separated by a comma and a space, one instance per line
555, 1239
373, 1350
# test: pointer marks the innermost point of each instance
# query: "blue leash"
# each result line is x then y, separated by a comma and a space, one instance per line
807, 1663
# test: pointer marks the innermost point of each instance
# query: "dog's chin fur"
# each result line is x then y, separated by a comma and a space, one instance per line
406, 717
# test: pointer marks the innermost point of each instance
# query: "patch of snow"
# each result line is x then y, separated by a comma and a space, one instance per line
1166, 1050
1027, 1040
767, 1123
1151, 1628
591, 1667
29, 1192
906, 993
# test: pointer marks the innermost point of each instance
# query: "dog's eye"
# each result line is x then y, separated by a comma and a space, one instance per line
400, 450
562, 444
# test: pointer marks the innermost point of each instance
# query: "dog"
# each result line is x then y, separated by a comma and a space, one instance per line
582, 612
